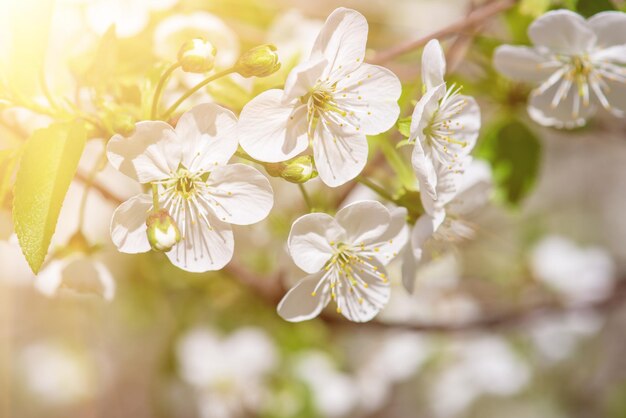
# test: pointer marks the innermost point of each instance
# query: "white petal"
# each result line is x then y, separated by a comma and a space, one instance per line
303, 78
342, 42
203, 246
364, 222
423, 230
391, 243
309, 240
106, 280
150, 153
300, 304
421, 158
128, 225
339, 157
239, 194
370, 96
541, 110
616, 96
521, 63
433, 64
50, 277
614, 54
374, 297
473, 189
562, 31
609, 27
209, 135
271, 131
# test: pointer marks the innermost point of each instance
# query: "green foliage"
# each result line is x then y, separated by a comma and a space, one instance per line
514, 152
104, 62
591, 7
404, 126
46, 169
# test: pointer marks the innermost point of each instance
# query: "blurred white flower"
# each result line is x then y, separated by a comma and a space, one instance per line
579, 275
577, 65
294, 36
437, 297
458, 195
130, 17
345, 257
335, 394
444, 125
171, 33
56, 374
557, 336
331, 101
201, 192
480, 365
76, 268
228, 373
382, 361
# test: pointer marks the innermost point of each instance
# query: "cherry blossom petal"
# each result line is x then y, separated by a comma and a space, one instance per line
433, 65
128, 225
421, 159
364, 222
563, 31
363, 303
542, 111
309, 240
370, 96
339, 157
391, 243
616, 96
208, 132
239, 194
342, 42
303, 301
271, 131
521, 63
609, 27
473, 188
302, 79
207, 243
150, 153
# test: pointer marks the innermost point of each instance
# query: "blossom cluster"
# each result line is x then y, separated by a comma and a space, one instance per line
318, 125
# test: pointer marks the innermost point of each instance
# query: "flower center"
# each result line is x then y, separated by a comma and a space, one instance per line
185, 183
442, 129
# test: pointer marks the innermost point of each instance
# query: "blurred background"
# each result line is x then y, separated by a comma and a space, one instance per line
526, 320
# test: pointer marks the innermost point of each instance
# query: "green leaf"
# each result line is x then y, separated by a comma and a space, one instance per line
105, 61
589, 8
514, 152
47, 166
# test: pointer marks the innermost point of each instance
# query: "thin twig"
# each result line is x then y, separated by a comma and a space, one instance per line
479, 16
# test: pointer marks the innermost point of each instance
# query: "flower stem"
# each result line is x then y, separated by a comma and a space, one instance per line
375, 187
88, 183
194, 89
159, 88
155, 196
305, 195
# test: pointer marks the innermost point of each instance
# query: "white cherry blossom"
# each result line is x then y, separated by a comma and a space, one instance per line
345, 257
444, 125
203, 194
444, 220
576, 64
331, 102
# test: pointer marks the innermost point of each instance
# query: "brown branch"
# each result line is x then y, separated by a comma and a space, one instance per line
477, 17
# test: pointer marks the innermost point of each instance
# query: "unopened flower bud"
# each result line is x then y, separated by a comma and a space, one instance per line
259, 61
163, 233
197, 56
298, 170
